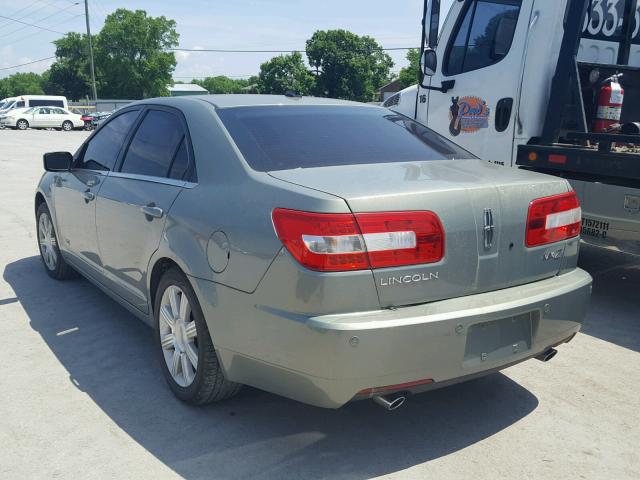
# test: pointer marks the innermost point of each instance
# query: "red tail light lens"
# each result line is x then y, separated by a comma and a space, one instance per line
552, 219
341, 242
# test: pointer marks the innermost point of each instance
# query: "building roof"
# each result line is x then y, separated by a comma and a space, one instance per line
393, 84
186, 87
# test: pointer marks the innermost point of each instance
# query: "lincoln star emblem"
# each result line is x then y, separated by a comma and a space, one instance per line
488, 229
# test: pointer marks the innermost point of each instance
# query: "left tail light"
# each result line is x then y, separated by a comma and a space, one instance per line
344, 241
552, 219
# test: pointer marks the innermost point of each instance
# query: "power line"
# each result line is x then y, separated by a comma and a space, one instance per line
31, 25
28, 63
220, 50
39, 33
21, 10
26, 24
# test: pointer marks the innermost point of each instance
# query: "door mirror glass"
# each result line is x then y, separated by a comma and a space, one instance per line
504, 36
429, 62
57, 161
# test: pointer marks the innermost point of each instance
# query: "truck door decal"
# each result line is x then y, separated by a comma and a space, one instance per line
468, 114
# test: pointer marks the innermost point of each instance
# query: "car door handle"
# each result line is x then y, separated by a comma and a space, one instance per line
152, 211
89, 196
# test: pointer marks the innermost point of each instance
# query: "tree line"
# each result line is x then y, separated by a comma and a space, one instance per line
133, 61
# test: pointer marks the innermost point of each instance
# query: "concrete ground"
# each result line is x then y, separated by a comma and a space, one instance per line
82, 397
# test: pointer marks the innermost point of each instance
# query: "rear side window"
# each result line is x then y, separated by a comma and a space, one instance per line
484, 36
155, 145
44, 102
286, 137
102, 150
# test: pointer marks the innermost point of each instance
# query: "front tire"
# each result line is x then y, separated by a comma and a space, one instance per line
187, 356
54, 264
22, 124
67, 126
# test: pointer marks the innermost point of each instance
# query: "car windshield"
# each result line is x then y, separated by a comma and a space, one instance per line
286, 137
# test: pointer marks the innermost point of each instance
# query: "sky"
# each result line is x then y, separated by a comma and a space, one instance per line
230, 24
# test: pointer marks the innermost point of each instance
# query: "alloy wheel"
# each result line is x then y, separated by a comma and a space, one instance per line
178, 336
47, 240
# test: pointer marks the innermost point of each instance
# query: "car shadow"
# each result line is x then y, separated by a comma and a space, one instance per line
110, 356
613, 315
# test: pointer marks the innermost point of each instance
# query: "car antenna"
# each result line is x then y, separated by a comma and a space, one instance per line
292, 94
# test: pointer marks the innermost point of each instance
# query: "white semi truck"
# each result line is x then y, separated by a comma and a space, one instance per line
518, 83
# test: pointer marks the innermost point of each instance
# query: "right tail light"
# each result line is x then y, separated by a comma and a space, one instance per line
552, 219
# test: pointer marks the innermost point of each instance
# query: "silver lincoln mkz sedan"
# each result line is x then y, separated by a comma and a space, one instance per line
323, 250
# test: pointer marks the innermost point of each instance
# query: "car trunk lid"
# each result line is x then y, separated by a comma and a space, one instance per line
483, 209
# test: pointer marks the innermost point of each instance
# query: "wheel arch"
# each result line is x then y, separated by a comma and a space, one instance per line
39, 200
157, 267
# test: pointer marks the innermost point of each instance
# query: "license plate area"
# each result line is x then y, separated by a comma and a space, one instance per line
498, 340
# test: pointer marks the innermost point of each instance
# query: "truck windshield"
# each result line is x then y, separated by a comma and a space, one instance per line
286, 137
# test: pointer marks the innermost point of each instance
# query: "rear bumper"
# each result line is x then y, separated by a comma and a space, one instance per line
326, 360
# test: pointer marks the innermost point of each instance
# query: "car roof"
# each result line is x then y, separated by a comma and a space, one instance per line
247, 100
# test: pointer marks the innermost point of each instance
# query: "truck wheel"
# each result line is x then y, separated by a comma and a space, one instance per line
54, 264
187, 356
67, 126
22, 124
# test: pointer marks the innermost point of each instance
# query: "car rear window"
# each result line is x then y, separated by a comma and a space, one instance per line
286, 137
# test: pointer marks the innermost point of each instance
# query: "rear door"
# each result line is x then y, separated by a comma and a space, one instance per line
133, 203
481, 50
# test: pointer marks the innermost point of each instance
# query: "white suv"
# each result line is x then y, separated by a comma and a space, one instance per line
41, 117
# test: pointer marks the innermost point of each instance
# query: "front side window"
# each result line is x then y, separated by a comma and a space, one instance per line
155, 145
287, 137
19, 104
484, 35
101, 153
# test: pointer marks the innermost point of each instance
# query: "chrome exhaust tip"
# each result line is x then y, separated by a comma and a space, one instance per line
390, 403
547, 355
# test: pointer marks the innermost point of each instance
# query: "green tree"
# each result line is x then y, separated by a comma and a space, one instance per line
409, 74
21, 84
70, 75
285, 72
131, 55
351, 67
221, 84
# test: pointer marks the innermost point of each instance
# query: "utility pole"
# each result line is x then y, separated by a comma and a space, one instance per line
93, 70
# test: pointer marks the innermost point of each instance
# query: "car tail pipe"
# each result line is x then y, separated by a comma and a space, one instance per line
390, 402
547, 355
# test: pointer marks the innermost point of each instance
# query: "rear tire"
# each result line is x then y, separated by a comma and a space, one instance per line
67, 126
182, 336
22, 124
54, 264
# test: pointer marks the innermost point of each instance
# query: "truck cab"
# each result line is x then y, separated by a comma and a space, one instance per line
503, 75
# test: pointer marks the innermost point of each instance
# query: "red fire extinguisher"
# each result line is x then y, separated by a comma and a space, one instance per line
610, 101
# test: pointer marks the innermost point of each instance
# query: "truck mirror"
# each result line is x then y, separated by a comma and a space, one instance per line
504, 36
57, 161
429, 62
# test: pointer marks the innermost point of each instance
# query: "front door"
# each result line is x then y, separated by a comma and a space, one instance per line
43, 118
481, 49
75, 193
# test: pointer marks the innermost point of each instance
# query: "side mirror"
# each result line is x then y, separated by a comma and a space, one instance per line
504, 36
429, 62
57, 161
